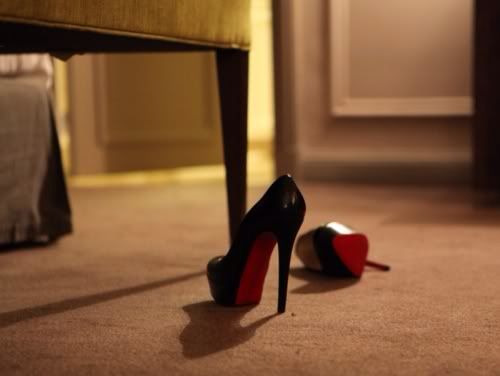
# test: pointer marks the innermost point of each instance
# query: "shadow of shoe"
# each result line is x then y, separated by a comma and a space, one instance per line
214, 328
318, 283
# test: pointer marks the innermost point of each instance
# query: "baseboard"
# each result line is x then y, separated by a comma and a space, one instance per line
394, 172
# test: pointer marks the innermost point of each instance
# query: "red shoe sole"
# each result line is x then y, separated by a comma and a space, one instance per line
252, 279
352, 249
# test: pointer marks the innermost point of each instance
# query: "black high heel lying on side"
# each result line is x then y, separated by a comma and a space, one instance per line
336, 250
238, 278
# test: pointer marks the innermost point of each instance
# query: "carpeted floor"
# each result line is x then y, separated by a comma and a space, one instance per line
126, 294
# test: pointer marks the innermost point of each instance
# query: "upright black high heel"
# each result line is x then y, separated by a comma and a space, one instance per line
238, 277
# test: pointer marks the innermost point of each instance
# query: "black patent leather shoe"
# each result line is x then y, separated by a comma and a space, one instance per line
238, 277
336, 250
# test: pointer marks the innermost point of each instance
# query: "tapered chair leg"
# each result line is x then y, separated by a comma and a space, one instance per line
232, 70
486, 118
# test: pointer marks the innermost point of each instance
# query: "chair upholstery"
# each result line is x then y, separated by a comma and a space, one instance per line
218, 23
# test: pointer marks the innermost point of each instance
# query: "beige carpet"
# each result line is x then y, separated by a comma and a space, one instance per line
126, 294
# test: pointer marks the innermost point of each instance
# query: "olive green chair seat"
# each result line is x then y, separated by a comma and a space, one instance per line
219, 23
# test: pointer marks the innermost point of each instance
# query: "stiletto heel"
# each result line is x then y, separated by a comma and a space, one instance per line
285, 247
238, 277
378, 265
337, 250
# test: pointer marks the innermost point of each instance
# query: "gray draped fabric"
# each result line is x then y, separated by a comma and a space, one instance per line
34, 205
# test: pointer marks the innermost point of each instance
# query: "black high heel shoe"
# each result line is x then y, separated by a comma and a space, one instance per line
238, 277
336, 250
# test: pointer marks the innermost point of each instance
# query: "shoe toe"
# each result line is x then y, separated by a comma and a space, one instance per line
214, 266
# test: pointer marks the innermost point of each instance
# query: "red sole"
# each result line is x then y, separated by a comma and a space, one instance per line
252, 279
352, 250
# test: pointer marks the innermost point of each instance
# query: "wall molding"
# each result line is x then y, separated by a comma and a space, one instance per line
108, 136
343, 105
387, 172
386, 166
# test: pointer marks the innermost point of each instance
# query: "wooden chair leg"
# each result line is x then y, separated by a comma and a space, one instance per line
232, 70
486, 128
